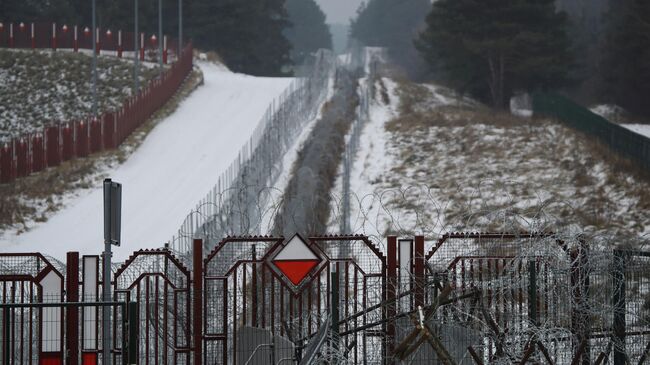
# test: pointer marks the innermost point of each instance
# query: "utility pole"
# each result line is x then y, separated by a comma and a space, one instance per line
95, 35
180, 28
160, 38
136, 51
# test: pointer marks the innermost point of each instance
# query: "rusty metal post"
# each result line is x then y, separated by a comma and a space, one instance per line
532, 293
72, 312
579, 293
6, 335
391, 273
418, 258
335, 300
254, 290
619, 308
197, 264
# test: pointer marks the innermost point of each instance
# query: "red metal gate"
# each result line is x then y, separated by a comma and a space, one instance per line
243, 287
524, 283
160, 284
33, 335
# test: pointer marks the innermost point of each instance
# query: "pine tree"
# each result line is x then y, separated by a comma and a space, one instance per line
493, 47
247, 34
626, 63
308, 31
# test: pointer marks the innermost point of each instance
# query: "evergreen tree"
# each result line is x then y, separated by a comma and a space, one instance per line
493, 47
36, 11
247, 34
626, 62
308, 31
586, 31
393, 24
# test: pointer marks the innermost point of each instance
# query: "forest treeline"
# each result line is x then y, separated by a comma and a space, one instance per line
597, 51
258, 37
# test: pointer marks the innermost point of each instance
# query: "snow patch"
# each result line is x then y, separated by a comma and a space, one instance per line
642, 129
173, 168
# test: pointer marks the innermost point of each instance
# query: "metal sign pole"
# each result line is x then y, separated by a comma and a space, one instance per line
112, 218
106, 281
94, 41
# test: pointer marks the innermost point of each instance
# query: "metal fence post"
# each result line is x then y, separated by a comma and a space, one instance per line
72, 312
254, 289
418, 267
125, 334
132, 344
579, 310
619, 308
390, 313
532, 292
335, 299
197, 264
6, 335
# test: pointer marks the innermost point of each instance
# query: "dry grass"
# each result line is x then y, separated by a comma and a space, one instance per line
40, 87
36, 197
493, 171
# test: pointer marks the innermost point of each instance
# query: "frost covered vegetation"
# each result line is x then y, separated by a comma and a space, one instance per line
37, 197
42, 87
455, 165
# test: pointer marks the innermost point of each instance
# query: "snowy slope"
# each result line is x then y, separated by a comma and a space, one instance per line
173, 169
430, 163
43, 87
642, 129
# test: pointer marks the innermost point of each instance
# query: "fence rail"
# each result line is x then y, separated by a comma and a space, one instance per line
468, 298
61, 142
45, 35
236, 204
620, 139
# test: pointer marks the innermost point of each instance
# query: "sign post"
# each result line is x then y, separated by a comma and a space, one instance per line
112, 218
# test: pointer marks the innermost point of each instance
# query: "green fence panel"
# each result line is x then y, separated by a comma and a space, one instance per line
620, 139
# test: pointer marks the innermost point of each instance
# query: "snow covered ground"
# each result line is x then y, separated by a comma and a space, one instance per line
642, 129
175, 166
618, 115
430, 162
42, 87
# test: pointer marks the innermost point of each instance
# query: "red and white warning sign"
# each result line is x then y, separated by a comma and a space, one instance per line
296, 260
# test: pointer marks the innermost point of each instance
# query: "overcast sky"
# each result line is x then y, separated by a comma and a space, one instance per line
339, 11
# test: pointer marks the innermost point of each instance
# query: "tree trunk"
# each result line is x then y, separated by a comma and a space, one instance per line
496, 81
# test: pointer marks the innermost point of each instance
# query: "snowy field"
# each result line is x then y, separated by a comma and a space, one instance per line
431, 162
175, 166
41, 87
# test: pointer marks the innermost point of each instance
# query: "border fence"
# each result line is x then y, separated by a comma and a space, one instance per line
237, 203
56, 36
467, 298
620, 139
61, 142
366, 59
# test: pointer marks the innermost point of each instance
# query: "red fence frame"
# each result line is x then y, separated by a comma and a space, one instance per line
55, 36
58, 143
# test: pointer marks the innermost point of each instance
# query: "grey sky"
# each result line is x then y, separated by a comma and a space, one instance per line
339, 11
